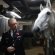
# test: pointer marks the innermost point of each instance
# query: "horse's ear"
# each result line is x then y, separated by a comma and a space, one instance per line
41, 7
48, 4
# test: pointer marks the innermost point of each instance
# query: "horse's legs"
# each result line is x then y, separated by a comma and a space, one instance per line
48, 47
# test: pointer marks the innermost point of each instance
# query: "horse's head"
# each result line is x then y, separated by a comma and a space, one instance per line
41, 23
42, 19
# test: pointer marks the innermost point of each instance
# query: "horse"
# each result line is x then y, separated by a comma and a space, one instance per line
45, 23
3, 24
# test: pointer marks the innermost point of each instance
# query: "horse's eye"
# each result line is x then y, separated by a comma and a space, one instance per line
48, 13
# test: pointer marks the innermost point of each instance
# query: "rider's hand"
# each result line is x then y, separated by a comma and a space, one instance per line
10, 49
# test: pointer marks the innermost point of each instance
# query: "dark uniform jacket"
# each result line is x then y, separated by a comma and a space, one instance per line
15, 41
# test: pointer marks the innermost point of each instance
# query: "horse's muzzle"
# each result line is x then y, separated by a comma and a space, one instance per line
36, 30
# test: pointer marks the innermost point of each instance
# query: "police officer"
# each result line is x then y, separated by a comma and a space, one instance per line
12, 40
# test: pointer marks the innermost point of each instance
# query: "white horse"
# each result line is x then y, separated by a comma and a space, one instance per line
46, 22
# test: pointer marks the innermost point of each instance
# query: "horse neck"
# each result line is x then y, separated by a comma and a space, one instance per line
52, 20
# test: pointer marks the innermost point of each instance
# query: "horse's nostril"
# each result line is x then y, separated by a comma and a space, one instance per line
37, 29
48, 13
